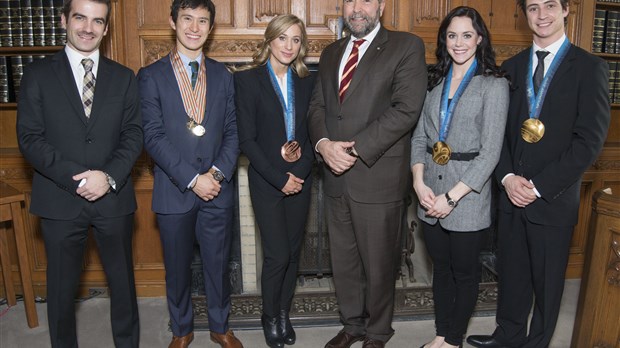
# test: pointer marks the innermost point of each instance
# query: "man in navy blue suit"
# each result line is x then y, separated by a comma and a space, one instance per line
191, 134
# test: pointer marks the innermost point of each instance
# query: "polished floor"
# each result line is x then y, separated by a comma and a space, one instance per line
94, 327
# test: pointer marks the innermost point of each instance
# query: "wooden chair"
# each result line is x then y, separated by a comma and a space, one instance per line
11, 210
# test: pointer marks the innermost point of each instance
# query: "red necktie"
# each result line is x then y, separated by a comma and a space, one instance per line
349, 69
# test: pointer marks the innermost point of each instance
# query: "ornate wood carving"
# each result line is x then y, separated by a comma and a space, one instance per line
430, 11
266, 10
613, 270
238, 49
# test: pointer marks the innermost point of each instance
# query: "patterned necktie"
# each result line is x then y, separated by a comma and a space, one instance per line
88, 90
539, 73
194, 65
349, 69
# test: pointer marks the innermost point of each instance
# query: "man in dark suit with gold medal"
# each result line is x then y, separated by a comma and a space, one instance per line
557, 123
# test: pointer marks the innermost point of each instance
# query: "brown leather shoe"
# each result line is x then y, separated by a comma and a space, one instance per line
226, 340
370, 343
181, 342
343, 340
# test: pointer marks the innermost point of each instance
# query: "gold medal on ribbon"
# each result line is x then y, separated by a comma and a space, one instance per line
196, 129
291, 151
532, 130
441, 153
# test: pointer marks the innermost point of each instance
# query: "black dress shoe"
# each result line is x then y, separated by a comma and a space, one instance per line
270, 329
484, 341
286, 329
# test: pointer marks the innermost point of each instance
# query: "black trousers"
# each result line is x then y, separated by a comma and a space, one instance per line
65, 242
456, 274
531, 263
282, 222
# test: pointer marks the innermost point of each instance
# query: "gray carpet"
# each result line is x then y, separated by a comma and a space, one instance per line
94, 327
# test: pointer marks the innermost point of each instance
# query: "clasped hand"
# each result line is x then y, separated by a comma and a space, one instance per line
95, 185
336, 156
435, 206
207, 188
520, 191
293, 185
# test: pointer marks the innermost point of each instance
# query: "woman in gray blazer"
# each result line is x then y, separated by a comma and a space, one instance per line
454, 150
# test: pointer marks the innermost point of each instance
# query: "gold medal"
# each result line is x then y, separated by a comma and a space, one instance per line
291, 151
197, 129
441, 153
532, 130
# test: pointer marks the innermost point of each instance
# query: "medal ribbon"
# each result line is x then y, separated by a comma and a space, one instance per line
445, 111
535, 101
194, 99
288, 109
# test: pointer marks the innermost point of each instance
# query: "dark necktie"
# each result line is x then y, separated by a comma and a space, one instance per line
194, 65
88, 90
349, 68
539, 73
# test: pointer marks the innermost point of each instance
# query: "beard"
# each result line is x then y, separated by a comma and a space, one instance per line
360, 30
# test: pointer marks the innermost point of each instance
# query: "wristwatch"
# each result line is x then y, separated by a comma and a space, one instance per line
217, 175
111, 181
451, 202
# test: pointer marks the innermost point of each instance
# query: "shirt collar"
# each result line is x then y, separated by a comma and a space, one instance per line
553, 48
75, 58
371, 36
185, 59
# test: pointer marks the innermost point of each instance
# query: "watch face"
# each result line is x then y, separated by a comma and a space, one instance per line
217, 175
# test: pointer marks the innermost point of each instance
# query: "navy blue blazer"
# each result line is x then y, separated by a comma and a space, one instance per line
576, 115
178, 154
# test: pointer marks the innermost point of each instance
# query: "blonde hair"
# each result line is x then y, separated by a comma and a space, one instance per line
275, 28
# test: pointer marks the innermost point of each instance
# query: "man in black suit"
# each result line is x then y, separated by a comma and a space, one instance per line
546, 151
79, 126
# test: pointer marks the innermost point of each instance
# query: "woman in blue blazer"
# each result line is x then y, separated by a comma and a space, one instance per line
272, 97
454, 150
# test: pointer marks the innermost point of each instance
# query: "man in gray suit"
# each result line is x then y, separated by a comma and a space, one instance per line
360, 121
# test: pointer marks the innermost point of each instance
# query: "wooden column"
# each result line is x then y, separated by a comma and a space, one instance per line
598, 312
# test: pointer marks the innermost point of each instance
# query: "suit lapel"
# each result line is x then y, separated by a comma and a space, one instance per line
368, 60
102, 85
336, 63
65, 75
212, 80
564, 67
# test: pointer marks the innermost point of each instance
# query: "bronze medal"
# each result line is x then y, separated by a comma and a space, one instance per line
441, 153
291, 151
532, 130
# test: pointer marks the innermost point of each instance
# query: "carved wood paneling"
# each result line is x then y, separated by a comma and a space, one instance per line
263, 11
613, 268
155, 13
429, 13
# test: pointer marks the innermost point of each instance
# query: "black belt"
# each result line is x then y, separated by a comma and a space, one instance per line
458, 156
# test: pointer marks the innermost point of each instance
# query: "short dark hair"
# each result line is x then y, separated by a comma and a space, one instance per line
193, 4
66, 8
522, 4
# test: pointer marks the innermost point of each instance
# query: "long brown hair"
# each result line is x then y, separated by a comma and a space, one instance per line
275, 28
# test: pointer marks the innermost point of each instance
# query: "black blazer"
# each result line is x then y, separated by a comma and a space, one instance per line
57, 140
576, 114
260, 122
